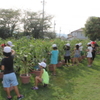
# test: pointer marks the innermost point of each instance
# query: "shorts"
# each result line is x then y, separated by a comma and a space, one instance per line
89, 55
76, 56
66, 57
9, 80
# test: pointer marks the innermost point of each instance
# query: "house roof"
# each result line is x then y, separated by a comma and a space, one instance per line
77, 30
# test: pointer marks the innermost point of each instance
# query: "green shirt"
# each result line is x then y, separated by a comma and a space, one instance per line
45, 77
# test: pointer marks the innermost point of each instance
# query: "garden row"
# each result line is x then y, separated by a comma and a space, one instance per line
29, 52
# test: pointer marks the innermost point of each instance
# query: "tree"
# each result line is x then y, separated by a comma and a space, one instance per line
33, 24
50, 35
8, 22
92, 28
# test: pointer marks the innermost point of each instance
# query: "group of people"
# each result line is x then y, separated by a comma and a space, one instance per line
79, 53
9, 77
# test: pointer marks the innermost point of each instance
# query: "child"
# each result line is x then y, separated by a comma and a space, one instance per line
89, 54
67, 53
43, 77
9, 43
54, 57
76, 54
3, 45
81, 51
93, 45
9, 77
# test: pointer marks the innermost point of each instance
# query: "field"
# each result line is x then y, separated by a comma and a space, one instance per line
71, 83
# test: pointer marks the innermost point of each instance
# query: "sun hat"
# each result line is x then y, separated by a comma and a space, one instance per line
93, 42
68, 44
43, 64
54, 45
80, 44
88, 43
7, 49
3, 45
77, 44
10, 43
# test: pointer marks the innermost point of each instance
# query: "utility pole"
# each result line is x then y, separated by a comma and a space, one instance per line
59, 32
54, 26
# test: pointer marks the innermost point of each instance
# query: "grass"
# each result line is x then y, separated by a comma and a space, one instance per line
71, 83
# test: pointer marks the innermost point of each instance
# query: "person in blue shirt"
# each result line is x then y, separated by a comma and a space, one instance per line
54, 57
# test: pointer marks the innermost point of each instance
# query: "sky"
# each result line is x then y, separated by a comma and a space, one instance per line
69, 15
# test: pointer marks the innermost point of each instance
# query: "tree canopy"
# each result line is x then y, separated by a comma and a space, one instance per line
28, 23
92, 28
8, 22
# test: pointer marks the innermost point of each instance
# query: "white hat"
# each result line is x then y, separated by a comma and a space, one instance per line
43, 64
77, 44
10, 43
88, 43
54, 45
80, 44
68, 44
7, 49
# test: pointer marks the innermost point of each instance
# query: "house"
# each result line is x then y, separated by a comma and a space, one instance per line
77, 34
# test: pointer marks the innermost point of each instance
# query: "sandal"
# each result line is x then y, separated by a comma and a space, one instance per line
9, 98
34, 88
45, 85
19, 98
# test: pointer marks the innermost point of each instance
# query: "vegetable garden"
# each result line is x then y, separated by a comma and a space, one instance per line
71, 83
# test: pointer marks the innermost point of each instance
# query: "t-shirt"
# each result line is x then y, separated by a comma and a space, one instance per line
89, 53
94, 50
45, 77
81, 48
90, 49
54, 56
8, 63
77, 52
67, 51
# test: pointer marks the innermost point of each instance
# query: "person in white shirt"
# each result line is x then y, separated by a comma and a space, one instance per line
89, 54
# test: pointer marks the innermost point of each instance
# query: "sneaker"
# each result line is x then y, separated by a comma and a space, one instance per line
34, 88
19, 98
9, 98
45, 85
89, 65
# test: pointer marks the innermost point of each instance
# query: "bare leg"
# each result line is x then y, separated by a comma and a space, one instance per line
80, 58
16, 91
37, 80
54, 69
77, 60
8, 91
89, 61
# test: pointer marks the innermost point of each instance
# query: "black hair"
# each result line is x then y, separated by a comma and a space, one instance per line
7, 54
54, 48
89, 44
77, 47
68, 47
